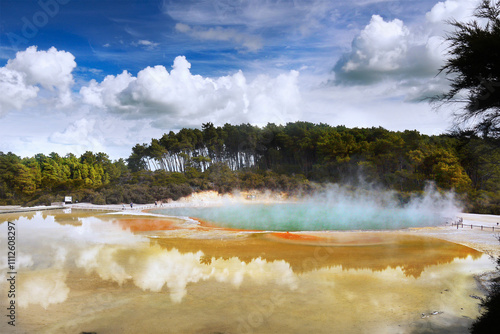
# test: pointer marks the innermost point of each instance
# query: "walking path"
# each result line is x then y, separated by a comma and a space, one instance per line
18, 208
77, 206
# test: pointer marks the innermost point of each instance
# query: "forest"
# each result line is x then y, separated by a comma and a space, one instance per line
296, 158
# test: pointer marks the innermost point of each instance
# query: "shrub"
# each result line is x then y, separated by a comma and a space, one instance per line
489, 321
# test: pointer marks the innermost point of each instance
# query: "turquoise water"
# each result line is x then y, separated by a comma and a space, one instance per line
309, 216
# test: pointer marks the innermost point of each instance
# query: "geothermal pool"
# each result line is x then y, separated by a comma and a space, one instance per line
336, 208
104, 272
307, 216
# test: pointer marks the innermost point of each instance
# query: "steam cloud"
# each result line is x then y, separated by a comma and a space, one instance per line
336, 208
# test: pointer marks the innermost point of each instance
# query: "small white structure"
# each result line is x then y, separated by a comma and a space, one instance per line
68, 199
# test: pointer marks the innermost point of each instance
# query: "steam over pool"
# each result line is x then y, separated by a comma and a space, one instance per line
335, 209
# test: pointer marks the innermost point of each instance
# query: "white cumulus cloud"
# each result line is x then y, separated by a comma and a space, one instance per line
380, 46
22, 77
104, 94
386, 49
15, 90
460, 10
408, 55
180, 98
51, 69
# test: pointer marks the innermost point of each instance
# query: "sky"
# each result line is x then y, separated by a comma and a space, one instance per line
98, 75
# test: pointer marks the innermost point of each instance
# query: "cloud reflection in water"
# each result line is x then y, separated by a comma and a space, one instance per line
100, 245
103, 247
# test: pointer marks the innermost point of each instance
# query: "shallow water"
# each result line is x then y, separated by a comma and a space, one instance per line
114, 273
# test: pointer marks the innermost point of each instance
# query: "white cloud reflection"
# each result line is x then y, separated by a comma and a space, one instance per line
48, 249
153, 268
53, 258
42, 287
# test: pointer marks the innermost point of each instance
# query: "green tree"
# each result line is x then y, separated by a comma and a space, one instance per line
24, 180
138, 159
53, 173
474, 69
15, 178
221, 177
36, 171
489, 321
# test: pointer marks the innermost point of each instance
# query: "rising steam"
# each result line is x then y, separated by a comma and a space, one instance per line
336, 208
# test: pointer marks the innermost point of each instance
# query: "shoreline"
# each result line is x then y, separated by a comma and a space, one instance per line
485, 239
